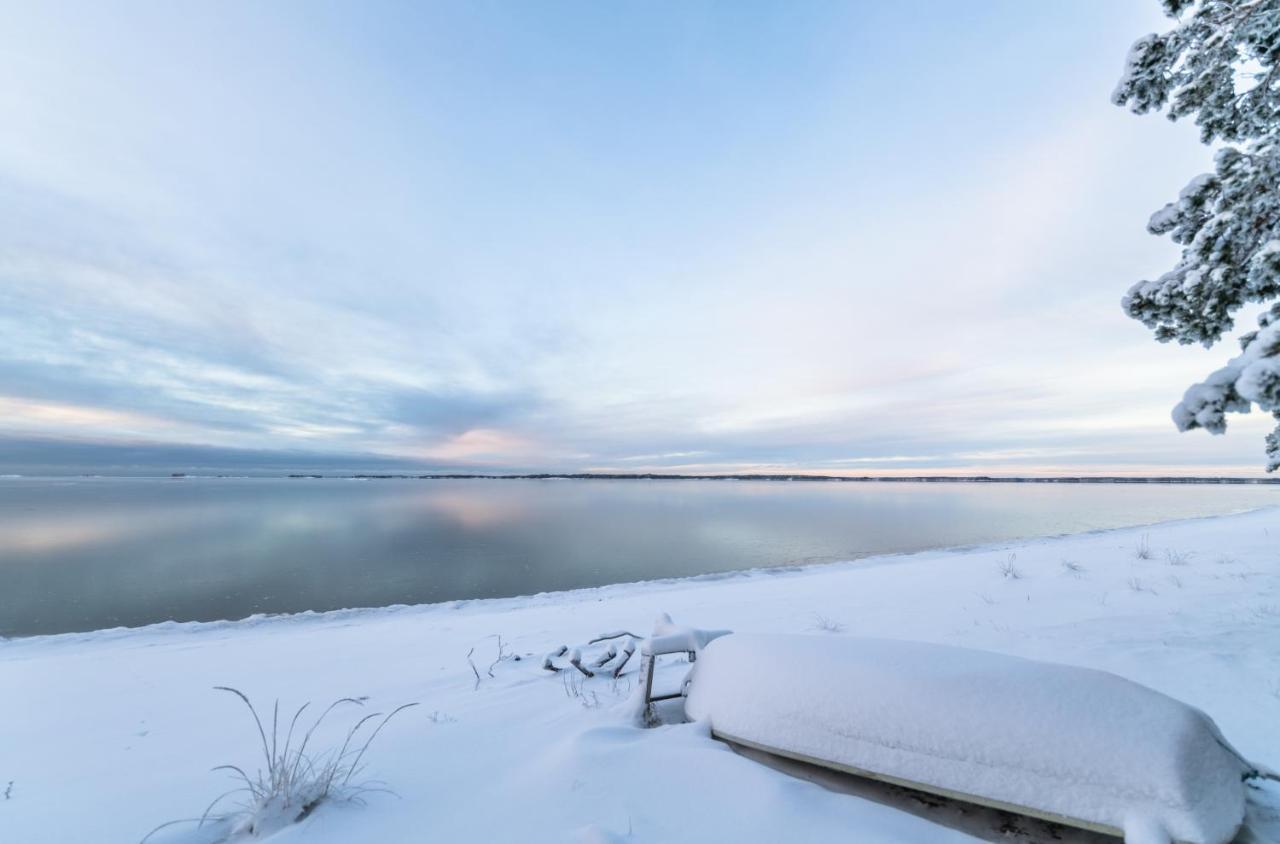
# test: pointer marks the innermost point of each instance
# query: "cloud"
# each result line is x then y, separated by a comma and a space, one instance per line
38, 455
455, 411
325, 240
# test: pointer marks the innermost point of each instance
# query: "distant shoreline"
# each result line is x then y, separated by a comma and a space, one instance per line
654, 476
984, 479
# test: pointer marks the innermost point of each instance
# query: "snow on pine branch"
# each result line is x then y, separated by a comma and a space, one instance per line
1219, 65
1251, 378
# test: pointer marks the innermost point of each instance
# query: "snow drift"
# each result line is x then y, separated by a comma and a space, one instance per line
1067, 744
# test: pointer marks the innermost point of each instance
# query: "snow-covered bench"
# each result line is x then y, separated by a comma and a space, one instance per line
1071, 745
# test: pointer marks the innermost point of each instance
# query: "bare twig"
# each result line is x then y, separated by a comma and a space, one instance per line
606, 656
624, 656
575, 659
502, 654
617, 634
547, 663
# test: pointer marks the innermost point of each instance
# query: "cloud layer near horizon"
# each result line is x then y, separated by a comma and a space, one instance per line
701, 238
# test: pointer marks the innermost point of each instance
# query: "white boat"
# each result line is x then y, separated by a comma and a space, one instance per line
1070, 745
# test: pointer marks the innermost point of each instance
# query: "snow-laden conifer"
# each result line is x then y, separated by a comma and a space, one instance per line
1220, 65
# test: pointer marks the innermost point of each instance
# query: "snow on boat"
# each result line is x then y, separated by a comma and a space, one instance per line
1070, 745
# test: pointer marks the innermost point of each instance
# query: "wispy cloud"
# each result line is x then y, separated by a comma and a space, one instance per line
564, 250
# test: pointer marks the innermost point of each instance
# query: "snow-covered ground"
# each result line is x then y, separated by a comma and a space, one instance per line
106, 735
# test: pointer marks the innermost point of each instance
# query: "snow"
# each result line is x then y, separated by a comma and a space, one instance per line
1271, 247
1134, 63
1057, 739
671, 638
107, 735
1251, 377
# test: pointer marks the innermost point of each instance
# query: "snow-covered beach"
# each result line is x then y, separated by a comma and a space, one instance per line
106, 735
387, 388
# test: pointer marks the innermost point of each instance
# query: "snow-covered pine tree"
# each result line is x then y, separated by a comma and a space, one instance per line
1220, 64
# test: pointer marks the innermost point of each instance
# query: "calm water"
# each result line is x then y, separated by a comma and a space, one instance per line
83, 554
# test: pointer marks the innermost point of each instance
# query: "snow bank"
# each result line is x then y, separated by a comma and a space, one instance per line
106, 735
1053, 739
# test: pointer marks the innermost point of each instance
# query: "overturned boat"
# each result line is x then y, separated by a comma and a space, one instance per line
1069, 745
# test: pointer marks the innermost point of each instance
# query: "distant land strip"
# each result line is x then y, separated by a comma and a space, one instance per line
976, 479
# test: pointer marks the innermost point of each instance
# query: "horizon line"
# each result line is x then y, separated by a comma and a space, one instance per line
736, 476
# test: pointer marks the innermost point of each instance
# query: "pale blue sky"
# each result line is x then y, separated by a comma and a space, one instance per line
572, 236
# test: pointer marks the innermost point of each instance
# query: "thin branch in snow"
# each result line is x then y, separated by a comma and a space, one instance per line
575, 659
609, 654
547, 663
617, 634
502, 654
628, 648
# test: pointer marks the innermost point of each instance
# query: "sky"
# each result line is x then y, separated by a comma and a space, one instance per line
858, 238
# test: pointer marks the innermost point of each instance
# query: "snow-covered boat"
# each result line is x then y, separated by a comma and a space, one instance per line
1071, 745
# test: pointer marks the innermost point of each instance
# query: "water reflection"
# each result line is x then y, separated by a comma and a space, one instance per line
105, 552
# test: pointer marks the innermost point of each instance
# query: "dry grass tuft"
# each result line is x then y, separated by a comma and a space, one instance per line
293, 782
